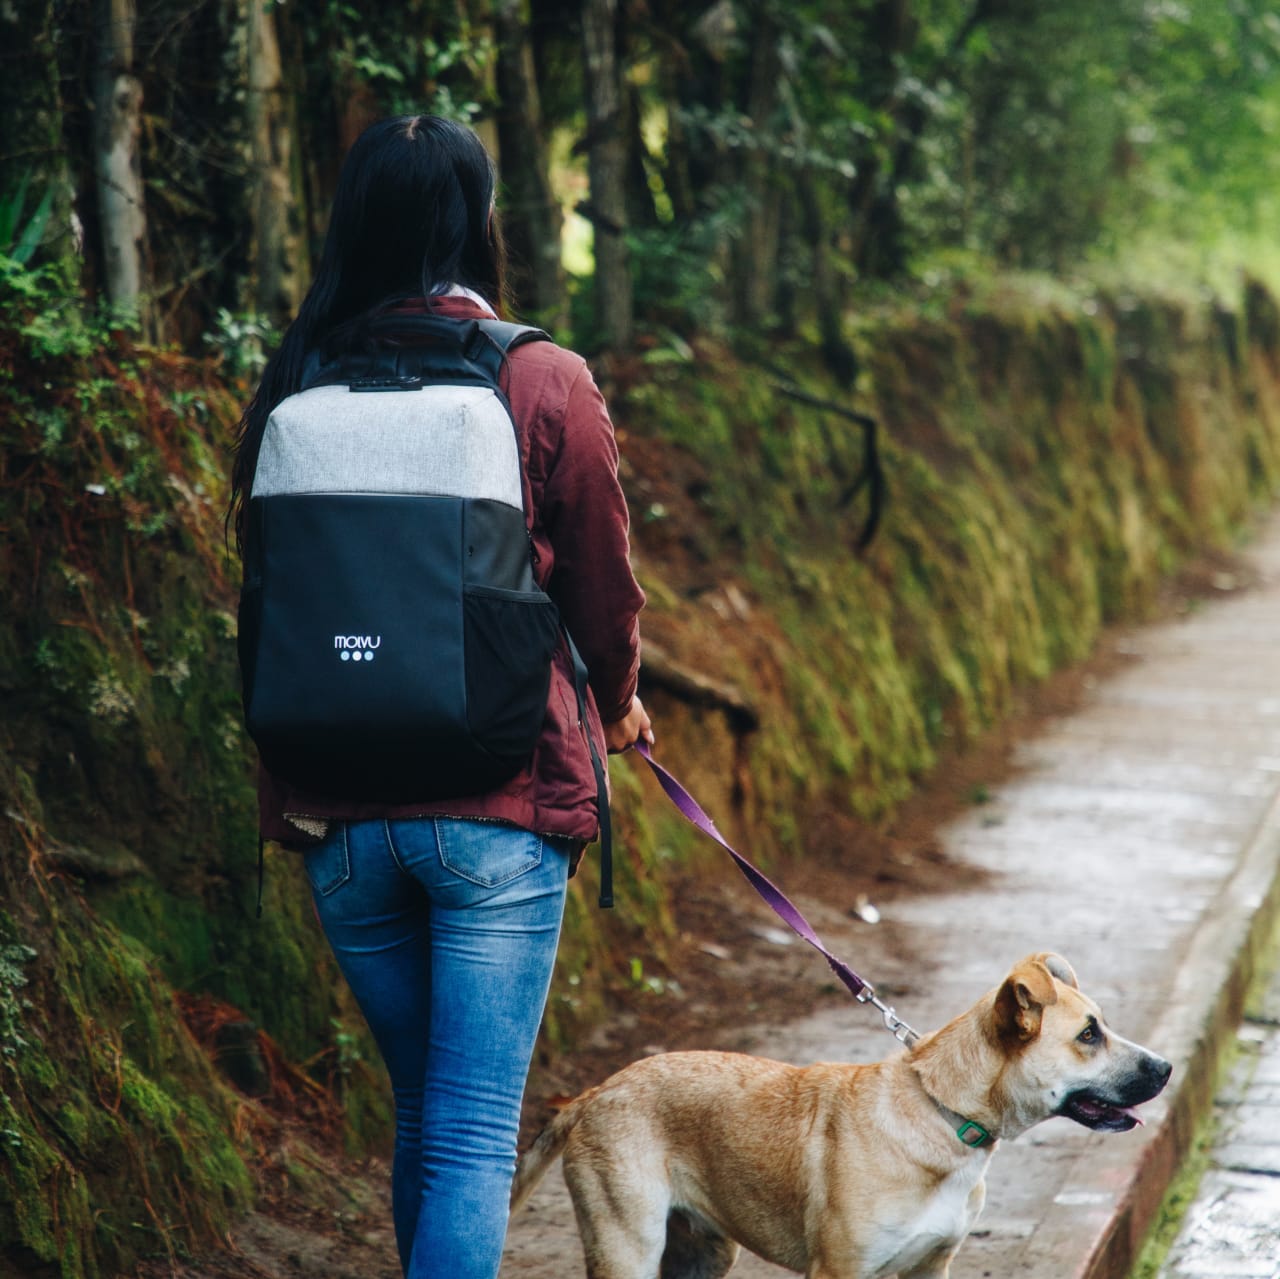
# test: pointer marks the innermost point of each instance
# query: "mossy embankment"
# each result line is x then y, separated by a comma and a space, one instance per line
129, 834
1050, 459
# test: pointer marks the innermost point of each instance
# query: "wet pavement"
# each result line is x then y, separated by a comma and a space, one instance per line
1233, 1225
1139, 838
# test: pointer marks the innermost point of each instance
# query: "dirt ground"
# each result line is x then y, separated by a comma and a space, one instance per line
728, 969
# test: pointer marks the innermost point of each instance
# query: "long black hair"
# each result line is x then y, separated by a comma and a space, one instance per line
412, 215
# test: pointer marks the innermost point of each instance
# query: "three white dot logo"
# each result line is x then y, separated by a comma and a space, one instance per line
356, 648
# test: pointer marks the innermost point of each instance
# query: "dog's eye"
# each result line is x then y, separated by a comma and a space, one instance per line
1090, 1034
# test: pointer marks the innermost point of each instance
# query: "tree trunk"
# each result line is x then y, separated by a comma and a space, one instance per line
837, 354
117, 124
756, 270
825, 278
477, 25
532, 219
893, 31
879, 241
278, 259
679, 183
607, 169
641, 211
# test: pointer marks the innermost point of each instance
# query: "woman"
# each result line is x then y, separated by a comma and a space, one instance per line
444, 915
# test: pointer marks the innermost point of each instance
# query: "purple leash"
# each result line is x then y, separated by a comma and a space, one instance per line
779, 902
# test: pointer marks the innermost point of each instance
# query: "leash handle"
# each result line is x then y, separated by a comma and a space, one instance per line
782, 905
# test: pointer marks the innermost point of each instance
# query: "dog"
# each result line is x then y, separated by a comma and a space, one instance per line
837, 1171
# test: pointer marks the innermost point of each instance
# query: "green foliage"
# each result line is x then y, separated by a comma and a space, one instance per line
348, 1046
1210, 100
14, 957
242, 342
44, 307
19, 241
412, 61
779, 155
1077, 126
849, 145
677, 275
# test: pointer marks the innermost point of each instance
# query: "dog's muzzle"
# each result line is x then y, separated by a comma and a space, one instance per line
1108, 1107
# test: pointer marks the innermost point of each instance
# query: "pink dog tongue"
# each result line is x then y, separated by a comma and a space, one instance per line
1099, 1108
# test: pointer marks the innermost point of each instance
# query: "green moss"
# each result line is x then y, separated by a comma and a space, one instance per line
117, 1131
1051, 458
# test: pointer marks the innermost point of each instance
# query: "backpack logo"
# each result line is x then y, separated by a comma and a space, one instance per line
356, 648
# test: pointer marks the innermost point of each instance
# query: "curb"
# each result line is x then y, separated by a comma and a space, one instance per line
1111, 1196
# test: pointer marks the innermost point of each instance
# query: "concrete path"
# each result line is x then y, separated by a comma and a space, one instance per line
1140, 839
1233, 1224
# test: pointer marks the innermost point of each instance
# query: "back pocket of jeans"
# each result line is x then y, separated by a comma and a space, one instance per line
329, 864
487, 853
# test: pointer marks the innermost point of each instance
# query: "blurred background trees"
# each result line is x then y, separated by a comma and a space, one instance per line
737, 164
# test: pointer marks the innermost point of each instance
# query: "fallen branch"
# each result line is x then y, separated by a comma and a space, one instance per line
660, 670
870, 477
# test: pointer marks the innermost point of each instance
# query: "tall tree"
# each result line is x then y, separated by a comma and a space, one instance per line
533, 221
607, 170
279, 256
117, 156
756, 265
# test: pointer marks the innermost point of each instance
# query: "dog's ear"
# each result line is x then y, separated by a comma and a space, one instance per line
1021, 1001
1059, 968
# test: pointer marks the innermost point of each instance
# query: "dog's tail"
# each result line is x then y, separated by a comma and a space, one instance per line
545, 1150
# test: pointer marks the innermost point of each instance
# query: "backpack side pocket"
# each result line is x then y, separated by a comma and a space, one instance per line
509, 638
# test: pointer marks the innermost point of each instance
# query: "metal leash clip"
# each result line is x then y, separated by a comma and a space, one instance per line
893, 1023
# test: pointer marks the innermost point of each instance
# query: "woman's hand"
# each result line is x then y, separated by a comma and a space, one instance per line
628, 730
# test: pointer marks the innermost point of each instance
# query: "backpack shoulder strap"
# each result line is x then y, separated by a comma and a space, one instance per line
473, 349
507, 336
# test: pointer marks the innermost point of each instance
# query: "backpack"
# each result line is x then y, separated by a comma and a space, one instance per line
394, 644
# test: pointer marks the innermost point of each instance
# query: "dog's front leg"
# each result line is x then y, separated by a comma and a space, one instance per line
845, 1262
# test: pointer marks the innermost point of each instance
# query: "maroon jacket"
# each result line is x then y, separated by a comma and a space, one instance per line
578, 520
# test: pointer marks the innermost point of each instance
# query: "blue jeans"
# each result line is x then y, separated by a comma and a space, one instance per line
446, 931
